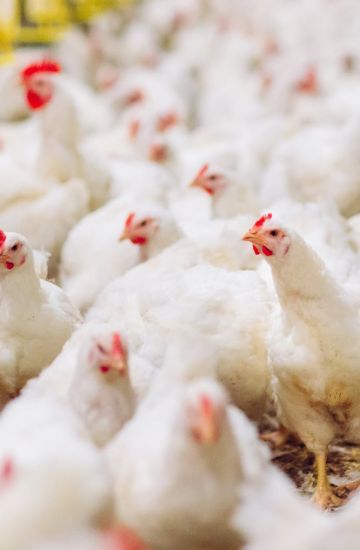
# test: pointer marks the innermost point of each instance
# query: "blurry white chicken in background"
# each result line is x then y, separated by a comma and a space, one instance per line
60, 155
320, 161
71, 371
122, 235
101, 391
45, 214
229, 197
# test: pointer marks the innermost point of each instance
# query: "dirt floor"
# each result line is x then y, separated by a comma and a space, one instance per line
294, 459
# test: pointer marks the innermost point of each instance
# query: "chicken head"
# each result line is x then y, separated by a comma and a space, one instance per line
209, 180
268, 238
37, 82
14, 251
205, 412
140, 230
108, 355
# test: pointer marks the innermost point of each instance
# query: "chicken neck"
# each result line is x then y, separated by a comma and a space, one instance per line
59, 155
309, 293
20, 293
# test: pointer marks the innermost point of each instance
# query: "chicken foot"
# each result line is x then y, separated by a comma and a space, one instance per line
351, 485
324, 495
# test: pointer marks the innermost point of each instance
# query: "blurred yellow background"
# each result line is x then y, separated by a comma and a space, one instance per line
41, 21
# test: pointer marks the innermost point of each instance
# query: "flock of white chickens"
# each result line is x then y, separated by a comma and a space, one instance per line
187, 175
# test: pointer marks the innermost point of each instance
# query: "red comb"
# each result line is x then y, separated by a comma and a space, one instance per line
206, 405
129, 219
260, 222
45, 66
117, 347
2, 237
203, 170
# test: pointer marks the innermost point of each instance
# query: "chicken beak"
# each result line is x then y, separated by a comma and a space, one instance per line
119, 364
209, 432
4, 258
255, 238
196, 182
125, 235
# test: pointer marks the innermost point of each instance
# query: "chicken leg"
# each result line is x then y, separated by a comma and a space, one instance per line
324, 495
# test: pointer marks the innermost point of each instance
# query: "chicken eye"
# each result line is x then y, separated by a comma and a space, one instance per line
213, 177
143, 223
101, 348
14, 247
274, 233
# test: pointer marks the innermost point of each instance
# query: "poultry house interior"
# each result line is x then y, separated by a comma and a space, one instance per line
180, 225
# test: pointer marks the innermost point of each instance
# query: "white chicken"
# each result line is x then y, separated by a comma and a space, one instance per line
93, 111
101, 391
13, 107
61, 156
46, 217
189, 507
151, 90
37, 207
230, 308
320, 161
328, 232
146, 179
313, 345
58, 379
144, 231
37, 317
53, 479
229, 196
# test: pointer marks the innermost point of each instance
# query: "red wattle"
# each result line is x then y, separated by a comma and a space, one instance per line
35, 101
104, 368
209, 190
256, 250
9, 265
266, 251
139, 240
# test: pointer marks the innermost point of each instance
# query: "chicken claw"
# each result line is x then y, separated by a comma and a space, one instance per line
324, 495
